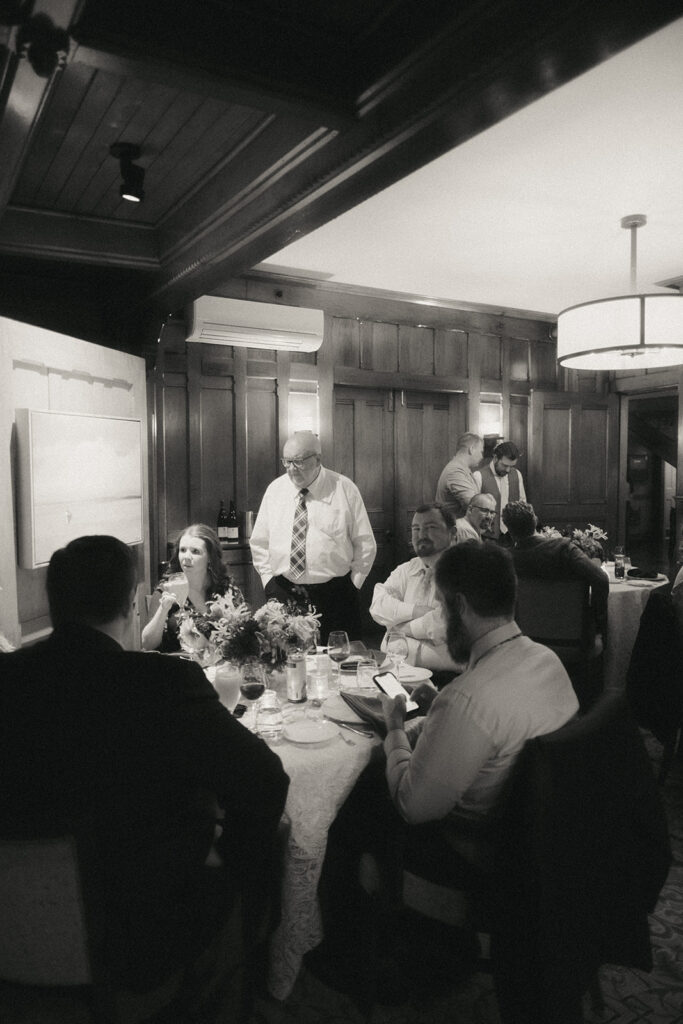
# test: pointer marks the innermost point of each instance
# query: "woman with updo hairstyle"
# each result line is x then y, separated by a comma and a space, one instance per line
197, 555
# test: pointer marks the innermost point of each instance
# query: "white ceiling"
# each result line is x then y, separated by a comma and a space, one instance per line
526, 215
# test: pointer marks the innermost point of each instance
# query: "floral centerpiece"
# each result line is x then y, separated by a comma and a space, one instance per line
589, 540
232, 632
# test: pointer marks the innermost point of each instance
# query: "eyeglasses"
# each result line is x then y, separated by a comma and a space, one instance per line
484, 511
297, 463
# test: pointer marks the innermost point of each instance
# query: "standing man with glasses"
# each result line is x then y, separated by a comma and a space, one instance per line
312, 539
477, 522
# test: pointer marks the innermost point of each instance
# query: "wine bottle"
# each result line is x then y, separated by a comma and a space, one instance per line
233, 524
223, 523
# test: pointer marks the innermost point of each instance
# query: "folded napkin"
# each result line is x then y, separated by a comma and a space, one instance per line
367, 708
642, 574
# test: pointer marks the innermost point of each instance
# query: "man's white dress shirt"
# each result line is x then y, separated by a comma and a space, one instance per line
512, 690
503, 483
393, 605
339, 536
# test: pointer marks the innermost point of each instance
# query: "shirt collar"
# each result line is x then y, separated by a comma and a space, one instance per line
490, 640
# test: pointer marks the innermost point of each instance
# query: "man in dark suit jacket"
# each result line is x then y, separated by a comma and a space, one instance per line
554, 558
135, 752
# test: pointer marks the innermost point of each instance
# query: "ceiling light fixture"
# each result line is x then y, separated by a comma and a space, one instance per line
627, 332
132, 175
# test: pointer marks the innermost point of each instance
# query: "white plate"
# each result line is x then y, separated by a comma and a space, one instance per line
307, 731
409, 674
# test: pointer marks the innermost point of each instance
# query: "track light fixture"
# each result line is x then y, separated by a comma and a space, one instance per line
132, 175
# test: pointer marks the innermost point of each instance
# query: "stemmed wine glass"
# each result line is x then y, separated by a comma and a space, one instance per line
397, 648
338, 648
252, 687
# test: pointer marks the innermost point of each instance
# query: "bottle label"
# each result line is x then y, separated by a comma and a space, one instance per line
232, 532
223, 533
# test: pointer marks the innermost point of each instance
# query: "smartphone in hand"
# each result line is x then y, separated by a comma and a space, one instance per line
389, 684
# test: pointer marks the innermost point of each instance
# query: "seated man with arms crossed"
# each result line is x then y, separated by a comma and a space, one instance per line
407, 600
135, 752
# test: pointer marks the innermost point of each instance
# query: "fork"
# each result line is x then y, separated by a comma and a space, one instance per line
347, 740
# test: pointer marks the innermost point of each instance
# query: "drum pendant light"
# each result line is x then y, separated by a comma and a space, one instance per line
626, 332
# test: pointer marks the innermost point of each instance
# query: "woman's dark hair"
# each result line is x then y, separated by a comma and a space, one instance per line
483, 573
91, 581
217, 571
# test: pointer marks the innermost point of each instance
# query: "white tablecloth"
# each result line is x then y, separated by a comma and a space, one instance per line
321, 777
627, 599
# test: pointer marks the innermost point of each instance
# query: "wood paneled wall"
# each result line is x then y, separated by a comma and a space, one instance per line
222, 414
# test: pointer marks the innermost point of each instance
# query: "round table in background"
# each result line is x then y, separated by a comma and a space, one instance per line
627, 599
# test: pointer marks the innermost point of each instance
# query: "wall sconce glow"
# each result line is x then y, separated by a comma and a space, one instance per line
626, 332
303, 411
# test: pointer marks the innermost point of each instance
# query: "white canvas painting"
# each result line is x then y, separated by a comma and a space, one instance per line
79, 475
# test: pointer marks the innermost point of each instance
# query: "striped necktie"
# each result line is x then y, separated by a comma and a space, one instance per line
297, 558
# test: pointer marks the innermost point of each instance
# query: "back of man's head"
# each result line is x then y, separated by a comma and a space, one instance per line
467, 441
507, 450
90, 581
520, 519
483, 573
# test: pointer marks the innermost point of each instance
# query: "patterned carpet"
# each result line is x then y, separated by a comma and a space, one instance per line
630, 996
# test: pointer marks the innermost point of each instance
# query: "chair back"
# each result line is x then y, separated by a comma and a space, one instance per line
43, 928
582, 855
557, 613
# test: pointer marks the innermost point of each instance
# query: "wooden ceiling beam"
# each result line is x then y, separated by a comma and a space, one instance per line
469, 78
23, 92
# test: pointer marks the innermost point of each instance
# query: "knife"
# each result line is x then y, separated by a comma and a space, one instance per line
352, 728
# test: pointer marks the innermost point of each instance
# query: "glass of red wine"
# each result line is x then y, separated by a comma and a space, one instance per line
338, 648
252, 688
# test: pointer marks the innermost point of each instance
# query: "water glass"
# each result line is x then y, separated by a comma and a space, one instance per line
177, 584
365, 673
269, 718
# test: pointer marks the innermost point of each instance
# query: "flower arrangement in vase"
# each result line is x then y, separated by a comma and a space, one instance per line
589, 540
232, 632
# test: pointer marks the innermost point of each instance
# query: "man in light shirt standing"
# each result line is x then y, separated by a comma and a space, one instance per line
500, 479
407, 600
313, 538
456, 486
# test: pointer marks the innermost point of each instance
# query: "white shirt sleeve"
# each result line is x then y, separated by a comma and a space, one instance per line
259, 542
362, 539
388, 607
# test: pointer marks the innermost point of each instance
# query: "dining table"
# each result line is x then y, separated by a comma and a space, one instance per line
627, 600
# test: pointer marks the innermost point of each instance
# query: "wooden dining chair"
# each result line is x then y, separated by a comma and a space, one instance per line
50, 939
558, 614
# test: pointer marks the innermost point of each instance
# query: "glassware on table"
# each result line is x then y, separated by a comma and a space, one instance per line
252, 688
397, 648
338, 648
317, 684
366, 670
269, 717
619, 566
227, 680
177, 585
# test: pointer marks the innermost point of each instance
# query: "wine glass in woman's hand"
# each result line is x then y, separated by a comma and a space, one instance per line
397, 648
338, 648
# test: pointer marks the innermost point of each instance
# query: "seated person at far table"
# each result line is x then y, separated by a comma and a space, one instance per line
407, 600
554, 558
135, 752
477, 522
196, 575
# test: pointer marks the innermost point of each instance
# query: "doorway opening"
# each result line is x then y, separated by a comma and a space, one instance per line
651, 480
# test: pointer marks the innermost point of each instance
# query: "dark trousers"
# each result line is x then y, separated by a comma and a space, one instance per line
336, 599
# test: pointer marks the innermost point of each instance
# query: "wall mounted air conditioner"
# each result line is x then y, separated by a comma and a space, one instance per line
218, 321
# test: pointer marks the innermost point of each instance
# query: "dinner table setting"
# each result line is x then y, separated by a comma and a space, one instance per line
628, 595
325, 735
